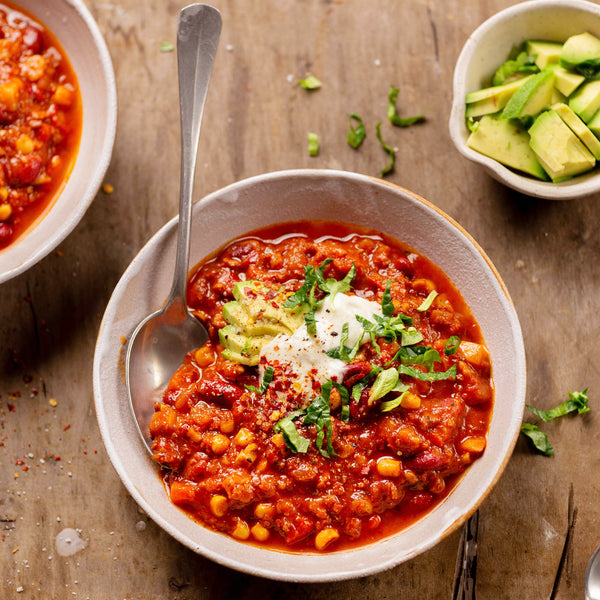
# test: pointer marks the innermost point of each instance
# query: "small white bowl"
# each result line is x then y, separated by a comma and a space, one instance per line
289, 196
74, 27
487, 48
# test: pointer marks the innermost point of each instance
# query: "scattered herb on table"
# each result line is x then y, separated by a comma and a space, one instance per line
577, 402
310, 83
356, 136
313, 144
392, 113
166, 47
391, 152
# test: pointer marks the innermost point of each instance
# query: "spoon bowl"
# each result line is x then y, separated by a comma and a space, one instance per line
160, 342
592, 577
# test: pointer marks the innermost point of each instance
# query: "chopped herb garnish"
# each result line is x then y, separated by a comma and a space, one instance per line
293, 440
267, 378
578, 401
428, 301
318, 414
356, 136
522, 64
538, 438
389, 405
452, 344
387, 306
418, 355
166, 47
384, 383
392, 114
391, 152
430, 376
313, 144
345, 399
310, 83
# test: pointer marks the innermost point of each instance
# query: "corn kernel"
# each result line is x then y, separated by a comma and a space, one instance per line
218, 505
264, 510
241, 531
243, 437
228, 425
204, 356
260, 533
219, 443
261, 466
194, 435
389, 467
25, 144
410, 400
63, 96
325, 537
473, 444
247, 456
5, 211
108, 189
3, 193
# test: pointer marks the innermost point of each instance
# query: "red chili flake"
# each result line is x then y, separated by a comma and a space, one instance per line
67, 427
57, 458
11, 407
85, 451
25, 468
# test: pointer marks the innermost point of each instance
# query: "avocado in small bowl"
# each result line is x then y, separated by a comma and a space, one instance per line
530, 118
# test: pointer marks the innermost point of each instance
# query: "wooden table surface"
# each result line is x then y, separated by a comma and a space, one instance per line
54, 471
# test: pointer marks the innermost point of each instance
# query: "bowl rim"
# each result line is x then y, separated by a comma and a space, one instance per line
239, 560
102, 162
584, 185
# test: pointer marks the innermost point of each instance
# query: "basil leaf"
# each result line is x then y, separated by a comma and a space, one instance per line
318, 414
313, 144
310, 83
387, 306
411, 336
432, 376
452, 344
293, 440
578, 401
356, 136
428, 301
391, 152
392, 114
267, 378
538, 438
392, 404
418, 355
383, 384
333, 286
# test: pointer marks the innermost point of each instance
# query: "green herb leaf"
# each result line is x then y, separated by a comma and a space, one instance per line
293, 440
344, 396
578, 401
418, 355
356, 136
318, 414
267, 378
452, 344
313, 144
166, 47
428, 301
387, 306
391, 152
411, 336
383, 384
538, 438
310, 83
389, 405
472, 124
431, 376
392, 114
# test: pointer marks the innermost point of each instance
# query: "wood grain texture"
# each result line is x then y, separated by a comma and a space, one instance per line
256, 120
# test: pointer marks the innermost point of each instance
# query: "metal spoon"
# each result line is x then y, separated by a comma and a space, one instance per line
592, 577
162, 339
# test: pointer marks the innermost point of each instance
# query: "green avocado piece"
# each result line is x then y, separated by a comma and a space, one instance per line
579, 128
579, 49
594, 124
245, 346
532, 97
236, 314
507, 142
566, 82
559, 150
545, 53
492, 99
585, 100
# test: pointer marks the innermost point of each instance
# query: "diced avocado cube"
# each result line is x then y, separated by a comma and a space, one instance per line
236, 314
545, 53
492, 99
532, 97
594, 124
508, 143
579, 128
248, 347
566, 82
579, 49
557, 97
585, 100
559, 150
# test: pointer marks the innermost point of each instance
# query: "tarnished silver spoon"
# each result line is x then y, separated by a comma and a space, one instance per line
592, 577
159, 343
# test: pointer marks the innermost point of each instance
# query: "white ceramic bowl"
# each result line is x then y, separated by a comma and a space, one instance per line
288, 196
77, 32
487, 48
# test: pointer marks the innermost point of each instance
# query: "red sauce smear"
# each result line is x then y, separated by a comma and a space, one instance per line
227, 468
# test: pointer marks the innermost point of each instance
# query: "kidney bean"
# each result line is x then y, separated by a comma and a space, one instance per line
6, 232
23, 170
221, 392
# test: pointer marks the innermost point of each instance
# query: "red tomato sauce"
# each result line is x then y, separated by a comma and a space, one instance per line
40, 120
229, 468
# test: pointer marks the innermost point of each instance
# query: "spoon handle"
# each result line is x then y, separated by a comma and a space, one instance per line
198, 32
